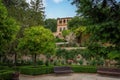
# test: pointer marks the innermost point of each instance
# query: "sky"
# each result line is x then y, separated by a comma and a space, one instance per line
59, 8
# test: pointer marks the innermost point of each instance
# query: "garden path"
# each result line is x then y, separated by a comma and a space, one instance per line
74, 76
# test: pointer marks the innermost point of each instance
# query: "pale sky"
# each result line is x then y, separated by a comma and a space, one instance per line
59, 8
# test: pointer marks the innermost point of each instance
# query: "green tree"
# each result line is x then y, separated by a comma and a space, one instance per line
37, 40
51, 24
76, 22
79, 32
37, 10
105, 20
98, 10
107, 32
65, 33
17, 6
8, 30
28, 16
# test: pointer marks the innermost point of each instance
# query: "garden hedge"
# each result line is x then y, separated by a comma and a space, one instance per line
6, 74
84, 69
4, 67
31, 70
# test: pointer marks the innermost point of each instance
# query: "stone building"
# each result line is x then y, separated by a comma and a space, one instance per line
61, 25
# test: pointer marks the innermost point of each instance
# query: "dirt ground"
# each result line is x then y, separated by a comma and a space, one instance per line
73, 76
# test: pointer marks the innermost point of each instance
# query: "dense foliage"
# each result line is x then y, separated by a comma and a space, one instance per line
37, 40
6, 74
98, 10
51, 24
76, 22
31, 70
84, 69
30, 14
104, 18
80, 32
65, 33
26, 15
78, 25
8, 30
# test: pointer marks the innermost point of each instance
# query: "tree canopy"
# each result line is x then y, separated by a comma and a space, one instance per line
51, 24
26, 14
98, 10
76, 22
30, 14
104, 16
8, 29
65, 33
37, 40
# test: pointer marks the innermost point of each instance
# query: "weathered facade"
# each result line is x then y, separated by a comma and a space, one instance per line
61, 25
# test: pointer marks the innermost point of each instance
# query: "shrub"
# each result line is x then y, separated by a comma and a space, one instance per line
47, 63
6, 74
92, 62
81, 62
84, 69
4, 67
30, 70
23, 62
6, 63
55, 63
40, 62
49, 69
59, 40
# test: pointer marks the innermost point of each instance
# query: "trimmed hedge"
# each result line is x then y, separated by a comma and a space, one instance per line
84, 69
31, 70
4, 67
6, 74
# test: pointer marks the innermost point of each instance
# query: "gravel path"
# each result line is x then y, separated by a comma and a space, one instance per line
74, 76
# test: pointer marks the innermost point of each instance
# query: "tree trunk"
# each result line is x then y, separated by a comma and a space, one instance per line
14, 44
15, 59
35, 59
0, 58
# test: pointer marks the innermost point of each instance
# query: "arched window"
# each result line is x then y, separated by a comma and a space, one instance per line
64, 21
60, 22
